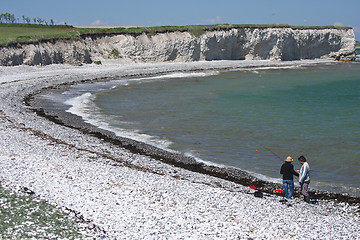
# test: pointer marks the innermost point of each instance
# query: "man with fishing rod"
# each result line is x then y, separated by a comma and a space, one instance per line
287, 170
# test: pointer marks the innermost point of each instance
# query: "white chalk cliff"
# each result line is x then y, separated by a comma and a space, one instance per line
234, 44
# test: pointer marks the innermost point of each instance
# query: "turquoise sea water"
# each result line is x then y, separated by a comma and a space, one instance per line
250, 119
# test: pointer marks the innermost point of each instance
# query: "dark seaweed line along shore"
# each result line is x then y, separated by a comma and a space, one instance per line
178, 160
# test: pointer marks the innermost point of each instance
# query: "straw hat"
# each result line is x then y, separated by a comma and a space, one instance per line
289, 159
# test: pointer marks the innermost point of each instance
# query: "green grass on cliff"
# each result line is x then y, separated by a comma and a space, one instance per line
15, 33
11, 33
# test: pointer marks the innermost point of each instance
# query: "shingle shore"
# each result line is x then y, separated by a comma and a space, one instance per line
133, 196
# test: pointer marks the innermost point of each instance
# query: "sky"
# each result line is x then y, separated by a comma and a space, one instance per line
189, 12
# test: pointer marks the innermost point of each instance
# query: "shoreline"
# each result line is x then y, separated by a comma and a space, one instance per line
97, 147
44, 109
232, 174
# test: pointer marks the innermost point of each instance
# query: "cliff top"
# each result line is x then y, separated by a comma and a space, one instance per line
15, 33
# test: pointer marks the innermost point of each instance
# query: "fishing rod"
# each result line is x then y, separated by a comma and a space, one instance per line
263, 147
259, 143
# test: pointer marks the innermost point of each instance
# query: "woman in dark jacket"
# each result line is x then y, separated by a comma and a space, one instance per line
287, 170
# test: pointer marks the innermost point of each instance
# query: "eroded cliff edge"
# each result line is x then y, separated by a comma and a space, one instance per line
281, 44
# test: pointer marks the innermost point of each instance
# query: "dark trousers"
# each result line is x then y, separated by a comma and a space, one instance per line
304, 189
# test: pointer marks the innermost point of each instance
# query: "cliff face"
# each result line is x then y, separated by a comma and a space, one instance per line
235, 44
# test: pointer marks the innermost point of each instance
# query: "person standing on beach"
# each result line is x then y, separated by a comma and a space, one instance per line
304, 178
287, 170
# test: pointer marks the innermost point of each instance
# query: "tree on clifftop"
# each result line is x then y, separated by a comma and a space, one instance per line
10, 18
7, 18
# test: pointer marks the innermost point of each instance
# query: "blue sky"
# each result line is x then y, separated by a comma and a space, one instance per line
190, 12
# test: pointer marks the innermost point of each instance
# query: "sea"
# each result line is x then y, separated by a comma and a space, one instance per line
250, 119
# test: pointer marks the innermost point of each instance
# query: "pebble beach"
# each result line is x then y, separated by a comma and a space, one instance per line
117, 194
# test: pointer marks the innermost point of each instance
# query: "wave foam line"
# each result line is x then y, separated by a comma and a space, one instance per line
84, 107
